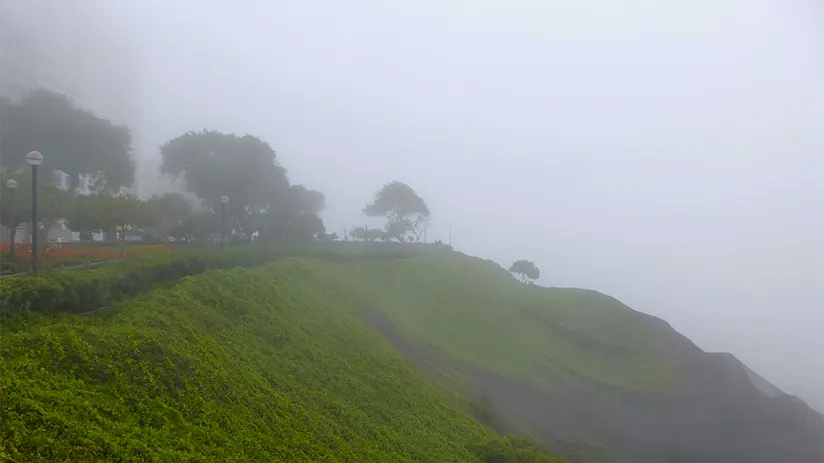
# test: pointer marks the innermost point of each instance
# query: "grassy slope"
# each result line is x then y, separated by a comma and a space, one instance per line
475, 312
275, 364
235, 365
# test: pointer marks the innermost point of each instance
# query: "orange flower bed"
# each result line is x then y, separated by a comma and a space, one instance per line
72, 252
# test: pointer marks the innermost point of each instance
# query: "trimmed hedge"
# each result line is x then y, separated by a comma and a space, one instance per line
85, 290
80, 291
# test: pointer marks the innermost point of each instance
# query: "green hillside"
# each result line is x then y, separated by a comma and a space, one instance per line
267, 364
476, 313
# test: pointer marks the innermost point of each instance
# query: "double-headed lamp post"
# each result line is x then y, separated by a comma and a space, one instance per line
11, 184
223, 201
34, 159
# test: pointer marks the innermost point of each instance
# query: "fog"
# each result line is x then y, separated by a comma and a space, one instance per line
667, 153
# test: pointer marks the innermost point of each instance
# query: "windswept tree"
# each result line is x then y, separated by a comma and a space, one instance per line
406, 213
526, 269
74, 141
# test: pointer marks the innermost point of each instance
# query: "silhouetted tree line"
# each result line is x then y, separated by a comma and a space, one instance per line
93, 166
89, 167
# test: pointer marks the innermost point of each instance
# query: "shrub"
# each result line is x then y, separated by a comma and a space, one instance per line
86, 290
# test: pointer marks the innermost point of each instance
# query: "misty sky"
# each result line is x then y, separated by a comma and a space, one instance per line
668, 153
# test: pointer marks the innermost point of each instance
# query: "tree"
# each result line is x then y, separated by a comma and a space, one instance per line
15, 208
108, 213
169, 211
85, 215
244, 168
404, 210
213, 164
198, 227
127, 213
74, 141
293, 216
526, 269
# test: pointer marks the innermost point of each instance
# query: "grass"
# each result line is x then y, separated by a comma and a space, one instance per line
278, 364
236, 365
477, 314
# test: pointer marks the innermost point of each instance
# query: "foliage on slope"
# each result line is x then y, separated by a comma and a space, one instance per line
84, 291
240, 365
476, 313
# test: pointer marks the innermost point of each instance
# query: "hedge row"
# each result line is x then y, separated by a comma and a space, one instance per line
86, 290
82, 291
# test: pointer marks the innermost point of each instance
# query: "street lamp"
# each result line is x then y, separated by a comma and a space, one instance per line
11, 184
34, 158
223, 201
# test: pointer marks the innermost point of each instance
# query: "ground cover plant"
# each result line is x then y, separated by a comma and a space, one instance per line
232, 365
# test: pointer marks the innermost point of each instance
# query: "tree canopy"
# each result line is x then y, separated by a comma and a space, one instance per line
15, 207
526, 269
108, 213
406, 213
169, 211
213, 164
72, 140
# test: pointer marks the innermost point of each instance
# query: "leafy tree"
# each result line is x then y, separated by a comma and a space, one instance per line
85, 217
244, 168
198, 227
304, 200
404, 210
109, 213
526, 269
293, 216
15, 208
74, 141
169, 211
128, 213
213, 164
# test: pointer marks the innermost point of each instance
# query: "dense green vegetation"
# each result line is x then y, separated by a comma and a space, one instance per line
476, 313
84, 291
267, 364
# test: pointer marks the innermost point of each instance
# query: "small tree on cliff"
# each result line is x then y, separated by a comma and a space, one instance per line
526, 269
405, 212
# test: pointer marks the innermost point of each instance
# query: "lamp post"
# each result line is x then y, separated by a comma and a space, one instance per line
11, 184
223, 201
34, 159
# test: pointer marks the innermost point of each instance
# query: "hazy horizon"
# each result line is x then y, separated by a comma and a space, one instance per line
668, 155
